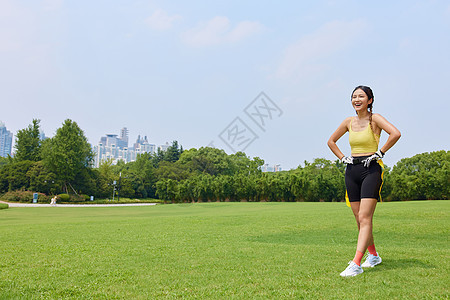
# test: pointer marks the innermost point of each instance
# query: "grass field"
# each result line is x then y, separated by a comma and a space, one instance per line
221, 251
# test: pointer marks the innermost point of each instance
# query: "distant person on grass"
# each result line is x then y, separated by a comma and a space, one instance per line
364, 172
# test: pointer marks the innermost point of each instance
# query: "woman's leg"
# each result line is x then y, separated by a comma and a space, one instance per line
359, 209
365, 215
355, 208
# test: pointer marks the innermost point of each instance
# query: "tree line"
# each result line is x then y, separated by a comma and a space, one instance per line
63, 164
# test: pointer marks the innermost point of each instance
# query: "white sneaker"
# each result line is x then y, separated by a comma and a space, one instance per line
371, 261
352, 270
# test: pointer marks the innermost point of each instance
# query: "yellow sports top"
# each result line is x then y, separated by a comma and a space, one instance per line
364, 141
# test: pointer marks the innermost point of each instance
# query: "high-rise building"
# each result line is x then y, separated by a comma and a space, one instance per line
111, 140
143, 146
113, 147
140, 141
6, 138
124, 137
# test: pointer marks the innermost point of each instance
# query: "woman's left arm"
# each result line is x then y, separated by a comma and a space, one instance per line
394, 133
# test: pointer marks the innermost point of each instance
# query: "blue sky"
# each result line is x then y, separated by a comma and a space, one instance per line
187, 70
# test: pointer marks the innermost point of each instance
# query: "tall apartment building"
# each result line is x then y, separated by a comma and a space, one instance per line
142, 146
115, 147
124, 136
6, 138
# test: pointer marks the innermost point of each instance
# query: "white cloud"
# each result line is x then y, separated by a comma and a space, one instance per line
303, 57
218, 30
160, 20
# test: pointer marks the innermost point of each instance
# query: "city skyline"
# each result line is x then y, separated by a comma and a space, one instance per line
115, 147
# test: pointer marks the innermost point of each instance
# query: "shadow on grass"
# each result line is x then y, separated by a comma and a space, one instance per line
336, 238
401, 263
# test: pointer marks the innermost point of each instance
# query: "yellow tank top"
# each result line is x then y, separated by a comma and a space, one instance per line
364, 141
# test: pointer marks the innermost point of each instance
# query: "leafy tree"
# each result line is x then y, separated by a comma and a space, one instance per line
167, 189
28, 143
172, 170
326, 181
206, 160
203, 188
185, 193
138, 178
263, 189
423, 176
85, 182
105, 178
220, 187
173, 152
144, 171
156, 158
68, 153
299, 184
13, 176
276, 193
244, 186
240, 162
4, 160
41, 180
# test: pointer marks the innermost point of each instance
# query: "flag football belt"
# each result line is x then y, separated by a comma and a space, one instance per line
359, 159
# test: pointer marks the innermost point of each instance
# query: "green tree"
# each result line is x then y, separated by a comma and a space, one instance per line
172, 170
137, 179
173, 152
240, 162
299, 184
68, 153
262, 186
325, 181
185, 193
28, 143
423, 176
244, 187
41, 180
14, 176
206, 160
156, 158
105, 178
167, 189
4, 160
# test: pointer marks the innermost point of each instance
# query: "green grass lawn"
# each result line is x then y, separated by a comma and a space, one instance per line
221, 251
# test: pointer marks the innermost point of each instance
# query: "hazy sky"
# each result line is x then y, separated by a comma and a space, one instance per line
192, 71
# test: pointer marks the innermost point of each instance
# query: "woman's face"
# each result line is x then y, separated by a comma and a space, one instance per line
360, 101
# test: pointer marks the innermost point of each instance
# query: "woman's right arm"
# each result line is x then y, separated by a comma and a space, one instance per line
340, 131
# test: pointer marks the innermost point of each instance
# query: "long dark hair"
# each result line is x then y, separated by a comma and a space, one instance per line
369, 94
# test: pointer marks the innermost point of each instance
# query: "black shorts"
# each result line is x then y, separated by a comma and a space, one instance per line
362, 182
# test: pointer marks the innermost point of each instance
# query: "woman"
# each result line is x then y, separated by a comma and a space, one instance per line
363, 175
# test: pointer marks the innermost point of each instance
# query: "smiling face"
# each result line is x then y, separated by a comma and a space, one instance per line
360, 100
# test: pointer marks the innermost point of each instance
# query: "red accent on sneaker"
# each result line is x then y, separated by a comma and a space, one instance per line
358, 257
372, 250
